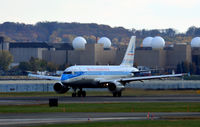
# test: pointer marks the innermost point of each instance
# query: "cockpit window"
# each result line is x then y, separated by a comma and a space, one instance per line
67, 72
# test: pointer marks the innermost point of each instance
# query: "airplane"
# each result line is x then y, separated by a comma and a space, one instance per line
96, 76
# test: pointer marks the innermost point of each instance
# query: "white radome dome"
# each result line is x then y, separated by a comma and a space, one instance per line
195, 42
157, 42
105, 41
147, 42
79, 43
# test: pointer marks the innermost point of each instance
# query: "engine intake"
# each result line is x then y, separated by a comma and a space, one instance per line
60, 88
115, 86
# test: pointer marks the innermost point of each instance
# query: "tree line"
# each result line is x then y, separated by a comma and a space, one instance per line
33, 65
65, 32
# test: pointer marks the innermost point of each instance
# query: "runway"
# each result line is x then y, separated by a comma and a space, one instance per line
17, 119
99, 99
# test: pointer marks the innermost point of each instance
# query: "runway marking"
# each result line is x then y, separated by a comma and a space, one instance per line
64, 120
42, 118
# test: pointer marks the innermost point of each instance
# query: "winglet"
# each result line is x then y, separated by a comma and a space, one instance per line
130, 53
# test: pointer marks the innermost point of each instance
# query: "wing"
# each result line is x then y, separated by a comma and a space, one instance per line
126, 80
150, 77
45, 77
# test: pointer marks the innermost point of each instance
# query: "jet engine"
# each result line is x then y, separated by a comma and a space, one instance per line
115, 86
60, 88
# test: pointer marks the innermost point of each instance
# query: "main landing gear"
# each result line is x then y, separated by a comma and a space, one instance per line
117, 94
79, 93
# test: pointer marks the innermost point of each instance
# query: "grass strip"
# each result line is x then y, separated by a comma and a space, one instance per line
126, 92
105, 107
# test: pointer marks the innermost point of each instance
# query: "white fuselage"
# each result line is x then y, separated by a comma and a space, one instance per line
88, 76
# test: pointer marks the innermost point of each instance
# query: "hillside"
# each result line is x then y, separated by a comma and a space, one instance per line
65, 32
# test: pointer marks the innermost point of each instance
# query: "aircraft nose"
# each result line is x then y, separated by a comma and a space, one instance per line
64, 77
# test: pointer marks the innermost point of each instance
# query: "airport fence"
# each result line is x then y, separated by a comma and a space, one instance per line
47, 86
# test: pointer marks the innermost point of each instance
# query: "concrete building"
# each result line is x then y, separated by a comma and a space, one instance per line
181, 52
166, 58
95, 54
58, 57
3, 45
92, 54
150, 58
51, 52
196, 55
24, 51
120, 52
58, 54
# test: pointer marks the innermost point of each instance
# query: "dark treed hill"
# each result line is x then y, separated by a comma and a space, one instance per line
65, 32
53, 31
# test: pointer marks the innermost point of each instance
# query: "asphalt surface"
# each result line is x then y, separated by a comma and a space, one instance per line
24, 119
99, 99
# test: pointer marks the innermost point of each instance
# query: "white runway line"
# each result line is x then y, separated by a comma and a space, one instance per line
64, 120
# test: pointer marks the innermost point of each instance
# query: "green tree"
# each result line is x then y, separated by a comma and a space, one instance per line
43, 65
24, 66
5, 60
34, 64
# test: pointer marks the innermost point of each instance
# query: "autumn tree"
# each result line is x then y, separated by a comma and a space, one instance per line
5, 60
51, 67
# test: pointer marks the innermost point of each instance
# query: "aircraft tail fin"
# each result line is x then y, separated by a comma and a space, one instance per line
128, 59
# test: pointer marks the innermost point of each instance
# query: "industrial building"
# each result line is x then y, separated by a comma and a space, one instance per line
24, 51
166, 58
94, 54
75, 53
153, 53
57, 53
100, 53
156, 55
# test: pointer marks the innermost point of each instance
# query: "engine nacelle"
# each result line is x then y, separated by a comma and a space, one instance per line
115, 86
60, 88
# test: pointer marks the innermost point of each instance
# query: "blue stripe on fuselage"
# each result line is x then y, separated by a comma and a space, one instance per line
68, 76
76, 74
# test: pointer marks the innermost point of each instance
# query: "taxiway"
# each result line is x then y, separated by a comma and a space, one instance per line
99, 99
19, 119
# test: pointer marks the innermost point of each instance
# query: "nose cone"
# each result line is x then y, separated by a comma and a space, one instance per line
64, 77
